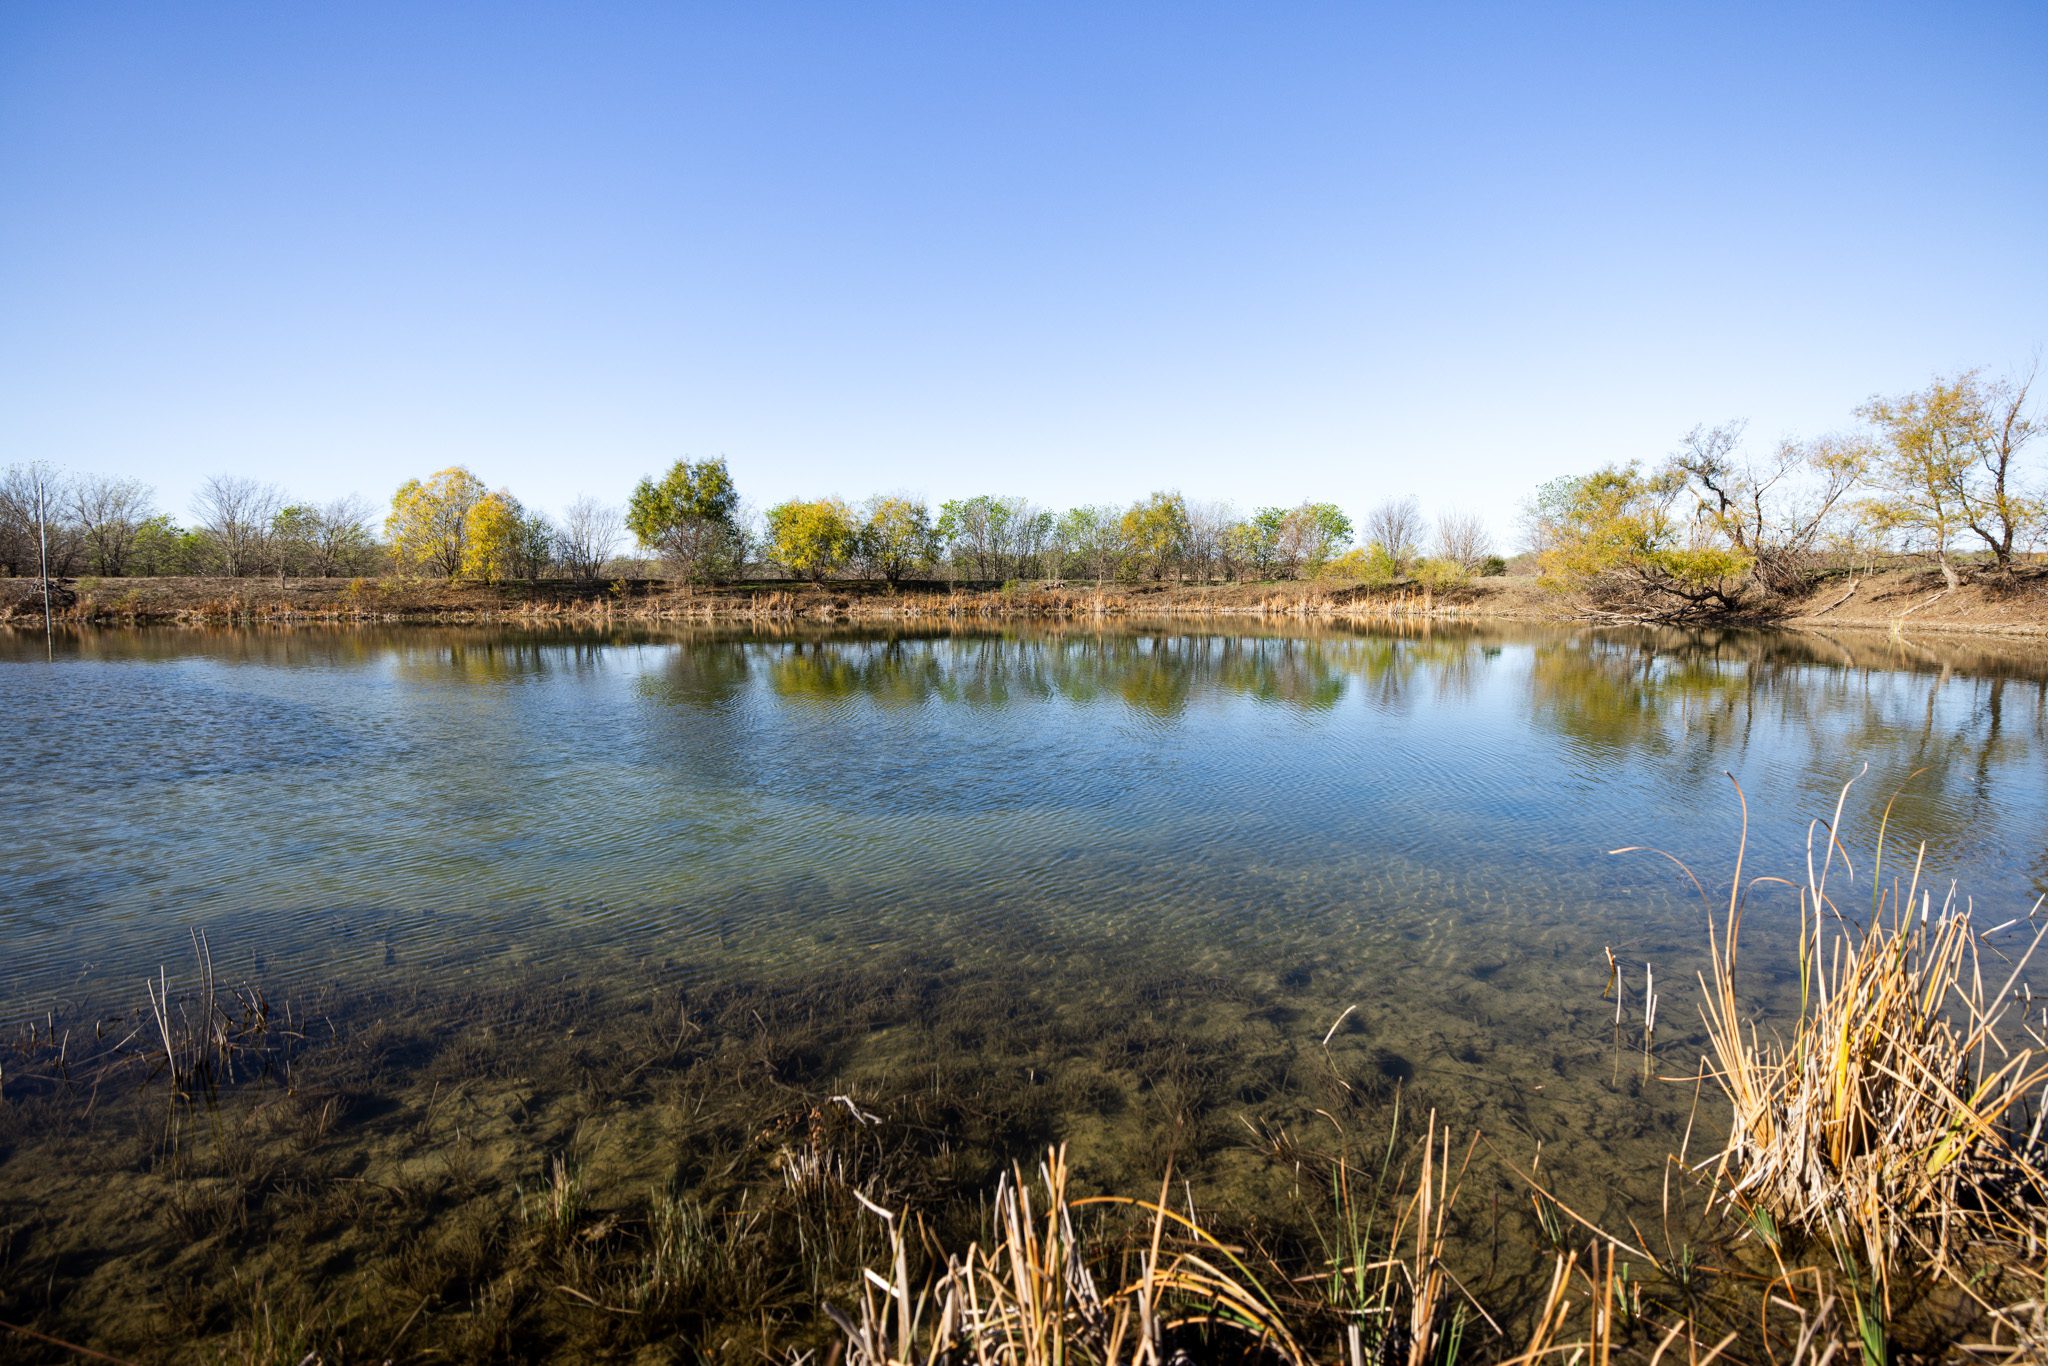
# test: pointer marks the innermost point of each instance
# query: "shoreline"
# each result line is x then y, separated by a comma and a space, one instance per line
1902, 598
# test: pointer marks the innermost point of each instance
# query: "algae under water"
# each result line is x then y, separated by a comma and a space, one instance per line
558, 949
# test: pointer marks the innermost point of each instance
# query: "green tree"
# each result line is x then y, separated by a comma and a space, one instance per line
294, 539
976, 533
1155, 530
813, 538
690, 517
163, 547
538, 541
428, 522
1439, 572
1366, 567
1256, 541
894, 538
1309, 535
1093, 537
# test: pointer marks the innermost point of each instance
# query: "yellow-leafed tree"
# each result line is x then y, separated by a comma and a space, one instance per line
493, 533
429, 520
811, 537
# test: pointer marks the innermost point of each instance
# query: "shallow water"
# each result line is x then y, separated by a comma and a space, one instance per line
1123, 881
469, 800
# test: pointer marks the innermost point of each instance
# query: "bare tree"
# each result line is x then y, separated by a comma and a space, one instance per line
18, 550
590, 534
1395, 526
1462, 538
1208, 547
36, 532
341, 540
109, 514
236, 515
1031, 537
1778, 510
31, 498
1993, 505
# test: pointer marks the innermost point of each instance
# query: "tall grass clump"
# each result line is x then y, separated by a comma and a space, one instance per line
1158, 1286
1898, 1119
1031, 1298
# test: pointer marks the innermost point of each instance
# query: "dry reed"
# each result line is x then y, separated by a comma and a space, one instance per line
1892, 1121
1031, 1298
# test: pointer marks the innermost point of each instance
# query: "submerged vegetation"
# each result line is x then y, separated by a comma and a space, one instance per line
928, 1161
1882, 1194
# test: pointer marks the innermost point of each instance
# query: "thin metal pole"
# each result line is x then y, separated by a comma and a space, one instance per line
42, 479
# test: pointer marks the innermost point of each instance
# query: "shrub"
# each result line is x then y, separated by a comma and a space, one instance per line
1438, 574
1368, 568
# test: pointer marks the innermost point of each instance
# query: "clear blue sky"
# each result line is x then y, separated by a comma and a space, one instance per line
1257, 252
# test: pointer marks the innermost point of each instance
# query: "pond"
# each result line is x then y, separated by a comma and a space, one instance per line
680, 903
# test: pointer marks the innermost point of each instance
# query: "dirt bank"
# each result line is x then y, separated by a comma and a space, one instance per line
214, 601
1888, 600
1917, 600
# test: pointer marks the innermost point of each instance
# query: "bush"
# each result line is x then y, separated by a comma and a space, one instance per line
1368, 568
1492, 567
1438, 574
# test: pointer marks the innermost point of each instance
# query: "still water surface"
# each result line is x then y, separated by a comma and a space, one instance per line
376, 802
694, 915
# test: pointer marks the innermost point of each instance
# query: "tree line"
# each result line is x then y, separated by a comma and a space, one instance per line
693, 519
693, 523
1714, 528
450, 526
108, 526
1718, 529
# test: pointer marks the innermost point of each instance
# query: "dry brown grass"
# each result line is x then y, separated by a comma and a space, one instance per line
1892, 1121
1031, 1298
